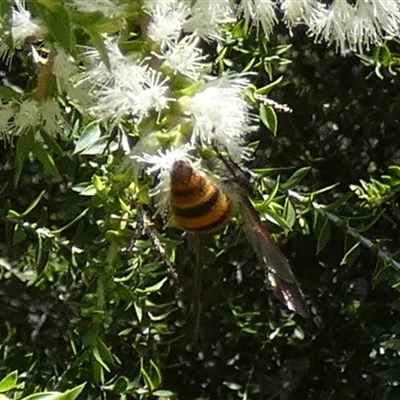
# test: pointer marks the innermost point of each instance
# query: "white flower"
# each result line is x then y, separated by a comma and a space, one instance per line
23, 25
27, 117
128, 89
355, 27
184, 57
207, 16
221, 115
256, 12
161, 163
297, 11
166, 20
51, 117
33, 114
64, 69
106, 7
7, 112
372, 20
23, 28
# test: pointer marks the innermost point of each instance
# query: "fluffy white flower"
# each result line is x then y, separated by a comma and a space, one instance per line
166, 20
23, 25
259, 12
52, 119
207, 16
298, 11
221, 115
24, 28
32, 114
106, 7
128, 89
7, 112
184, 57
27, 117
355, 27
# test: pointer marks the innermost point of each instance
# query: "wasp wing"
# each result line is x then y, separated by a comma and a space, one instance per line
283, 282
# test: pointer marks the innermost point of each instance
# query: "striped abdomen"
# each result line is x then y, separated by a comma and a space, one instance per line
197, 203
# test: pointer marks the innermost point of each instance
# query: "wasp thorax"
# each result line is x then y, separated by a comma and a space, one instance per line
197, 203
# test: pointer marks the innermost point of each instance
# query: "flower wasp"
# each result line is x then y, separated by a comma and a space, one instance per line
200, 205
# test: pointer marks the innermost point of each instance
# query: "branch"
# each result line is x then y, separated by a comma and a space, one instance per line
320, 208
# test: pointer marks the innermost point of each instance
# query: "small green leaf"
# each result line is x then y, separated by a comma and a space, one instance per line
24, 146
19, 235
9, 382
89, 136
57, 19
45, 158
351, 254
98, 43
154, 288
105, 351
155, 375
97, 357
289, 213
266, 89
163, 393
8, 93
296, 178
33, 204
323, 235
71, 394
272, 193
42, 253
76, 219
139, 312
268, 118
51, 143
5, 16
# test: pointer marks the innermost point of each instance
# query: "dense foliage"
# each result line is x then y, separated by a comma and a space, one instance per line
95, 289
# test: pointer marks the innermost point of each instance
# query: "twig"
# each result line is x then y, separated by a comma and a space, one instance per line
320, 208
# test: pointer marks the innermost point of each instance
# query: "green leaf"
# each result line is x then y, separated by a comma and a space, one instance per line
153, 288
151, 377
24, 146
105, 351
351, 254
5, 16
76, 219
71, 394
97, 357
268, 118
42, 253
19, 235
296, 178
322, 232
51, 143
57, 19
33, 204
163, 393
45, 158
139, 312
9, 382
8, 93
266, 89
155, 375
272, 193
289, 213
89, 136
98, 43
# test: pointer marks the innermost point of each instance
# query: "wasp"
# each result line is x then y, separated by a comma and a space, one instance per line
200, 205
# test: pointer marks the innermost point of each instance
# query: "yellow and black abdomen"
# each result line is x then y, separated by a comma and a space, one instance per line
197, 203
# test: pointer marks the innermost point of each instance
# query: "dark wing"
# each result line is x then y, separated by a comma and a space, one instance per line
283, 282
